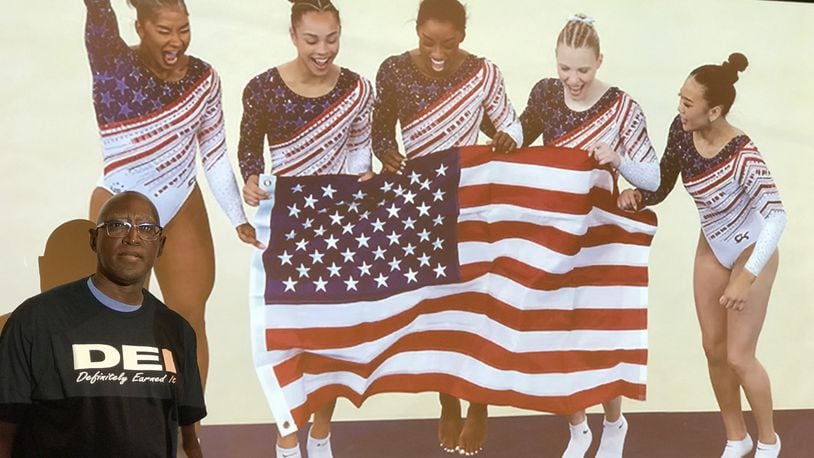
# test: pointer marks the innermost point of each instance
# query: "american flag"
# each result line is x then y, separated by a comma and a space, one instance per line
500, 279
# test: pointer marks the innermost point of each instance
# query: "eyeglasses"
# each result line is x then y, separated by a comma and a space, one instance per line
118, 229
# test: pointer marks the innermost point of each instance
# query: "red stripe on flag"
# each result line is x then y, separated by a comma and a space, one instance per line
552, 238
484, 350
561, 158
533, 278
417, 383
527, 320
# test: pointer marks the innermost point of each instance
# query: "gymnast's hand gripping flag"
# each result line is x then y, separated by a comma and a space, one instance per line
499, 279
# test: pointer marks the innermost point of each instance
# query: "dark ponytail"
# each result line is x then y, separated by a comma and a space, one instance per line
719, 80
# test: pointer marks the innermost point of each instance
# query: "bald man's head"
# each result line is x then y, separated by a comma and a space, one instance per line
127, 239
127, 197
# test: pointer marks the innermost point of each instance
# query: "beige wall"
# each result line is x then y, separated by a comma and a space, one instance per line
50, 160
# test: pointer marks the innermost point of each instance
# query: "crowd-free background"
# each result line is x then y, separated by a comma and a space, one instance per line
50, 155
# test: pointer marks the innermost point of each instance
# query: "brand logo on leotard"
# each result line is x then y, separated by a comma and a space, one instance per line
741, 237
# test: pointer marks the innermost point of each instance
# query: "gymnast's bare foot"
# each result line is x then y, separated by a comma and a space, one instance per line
449, 425
473, 434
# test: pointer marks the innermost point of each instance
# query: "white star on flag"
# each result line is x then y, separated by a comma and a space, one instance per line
394, 238
293, 211
348, 255
409, 197
302, 244
303, 270
336, 218
440, 271
364, 269
393, 211
423, 209
437, 244
285, 258
424, 260
331, 241
290, 284
321, 284
409, 223
328, 191
351, 284
424, 235
378, 225
381, 281
334, 270
395, 264
409, 250
411, 276
316, 257
362, 240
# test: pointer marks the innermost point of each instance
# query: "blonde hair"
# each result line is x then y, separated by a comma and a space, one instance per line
579, 32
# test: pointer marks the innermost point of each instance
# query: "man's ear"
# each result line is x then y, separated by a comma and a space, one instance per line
92, 238
161, 242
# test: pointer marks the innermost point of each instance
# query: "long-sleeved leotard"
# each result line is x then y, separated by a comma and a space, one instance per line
439, 113
737, 200
322, 135
150, 128
615, 119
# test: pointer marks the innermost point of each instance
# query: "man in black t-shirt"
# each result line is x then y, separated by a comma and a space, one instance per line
100, 367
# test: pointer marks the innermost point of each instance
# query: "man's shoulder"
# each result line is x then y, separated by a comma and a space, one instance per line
62, 295
164, 313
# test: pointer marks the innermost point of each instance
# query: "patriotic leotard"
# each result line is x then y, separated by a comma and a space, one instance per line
322, 135
439, 113
737, 200
150, 128
615, 119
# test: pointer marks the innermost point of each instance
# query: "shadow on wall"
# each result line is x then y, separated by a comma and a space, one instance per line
67, 256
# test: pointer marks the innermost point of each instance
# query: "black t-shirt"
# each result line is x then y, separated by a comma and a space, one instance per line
81, 379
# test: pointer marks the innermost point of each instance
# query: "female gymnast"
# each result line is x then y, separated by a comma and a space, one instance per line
577, 110
155, 105
742, 219
316, 117
441, 96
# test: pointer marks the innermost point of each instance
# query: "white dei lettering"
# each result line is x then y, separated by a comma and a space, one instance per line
131, 357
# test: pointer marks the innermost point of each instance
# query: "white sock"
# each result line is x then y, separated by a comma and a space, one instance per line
738, 449
613, 438
319, 448
293, 452
580, 440
768, 450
